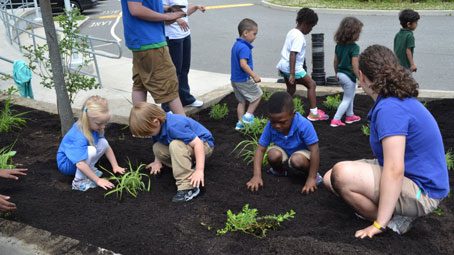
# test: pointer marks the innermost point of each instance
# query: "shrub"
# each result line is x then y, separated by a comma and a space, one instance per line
219, 111
6, 157
365, 129
299, 106
248, 222
332, 102
255, 129
449, 160
9, 120
131, 181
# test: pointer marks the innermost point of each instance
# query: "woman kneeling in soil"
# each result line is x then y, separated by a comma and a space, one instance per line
409, 178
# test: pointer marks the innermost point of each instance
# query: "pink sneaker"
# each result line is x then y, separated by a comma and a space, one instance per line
336, 123
351, 119
321, 115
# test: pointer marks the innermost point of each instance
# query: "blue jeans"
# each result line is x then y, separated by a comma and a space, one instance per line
349, 87
180, 51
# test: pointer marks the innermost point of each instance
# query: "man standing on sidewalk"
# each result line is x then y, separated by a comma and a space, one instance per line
153, 69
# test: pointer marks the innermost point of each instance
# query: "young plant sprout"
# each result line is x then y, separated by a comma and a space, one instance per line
248, 222
266, 94
299, 106
219, 111
9, 120
332, 102
130, 182
255, 129
246, 150
365, 129
6, 157
450, 160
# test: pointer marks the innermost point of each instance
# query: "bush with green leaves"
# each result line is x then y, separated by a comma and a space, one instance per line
266, 94
131, 181
6, 157
332, 102
365, 129
71, 43
255, 129
249, 222
9, 120
450, 160
219, 111
299, 106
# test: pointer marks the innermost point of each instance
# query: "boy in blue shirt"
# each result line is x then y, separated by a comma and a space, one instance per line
295, 141
242, 66
178, 142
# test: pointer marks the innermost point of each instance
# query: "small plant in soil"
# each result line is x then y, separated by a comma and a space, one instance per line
299, 106
255, 129
219, 111
450, 160
246, 150
266, 94
365, 129
6, 157
131, 182
439, 212
332, 102
248, 222
9, 120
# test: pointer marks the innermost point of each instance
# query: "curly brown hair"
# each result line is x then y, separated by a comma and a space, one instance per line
348, 31
388, 77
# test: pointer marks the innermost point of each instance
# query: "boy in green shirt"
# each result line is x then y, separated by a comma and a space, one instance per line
404, 41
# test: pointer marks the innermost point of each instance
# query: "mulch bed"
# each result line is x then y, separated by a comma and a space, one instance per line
152, 224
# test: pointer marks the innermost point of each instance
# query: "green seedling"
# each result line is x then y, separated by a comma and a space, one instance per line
6, 157
299, 106
266, 94
247, 221
131, 182
439, 212
9, 120
365, 129
255, 129
246, 150
450, 160
332, 102
219, 111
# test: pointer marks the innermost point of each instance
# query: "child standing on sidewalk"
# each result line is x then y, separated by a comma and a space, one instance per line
404, 41
243, 78
178, 142
290, 65
84, 145
346, 67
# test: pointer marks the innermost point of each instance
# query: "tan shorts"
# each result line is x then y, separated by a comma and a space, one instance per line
412, 201
285, 157
153, 71
246, 91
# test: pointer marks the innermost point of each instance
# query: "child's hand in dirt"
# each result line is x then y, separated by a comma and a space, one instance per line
367, 232
105, 184
11, 173
310, 186
155, 167
197, 178
118, 169
5, 205
255, 183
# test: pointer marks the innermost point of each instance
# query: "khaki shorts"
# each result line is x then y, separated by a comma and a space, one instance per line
246, 91
285, 157
412, 201
153, 71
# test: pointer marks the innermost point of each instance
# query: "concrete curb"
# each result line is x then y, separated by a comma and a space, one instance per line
357, 11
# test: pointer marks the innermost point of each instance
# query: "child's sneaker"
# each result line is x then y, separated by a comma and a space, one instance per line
400, 224
247, 120
276, 173
239, 125
352, 119
83, 184
321, 115
97, 172
185, 195
336, 123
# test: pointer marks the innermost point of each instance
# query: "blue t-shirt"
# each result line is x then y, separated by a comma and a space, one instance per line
73, 149
139, 32
179, 127
301, 135
425, 162
240, 50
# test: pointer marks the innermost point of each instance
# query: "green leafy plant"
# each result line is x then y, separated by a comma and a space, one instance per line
365, 129
248, 222
71, 44
9, 120
332, 102
299, 106
439, 211
266, 94
255, 129
219, 111
6, 157
246, 150
131, 182
450, 160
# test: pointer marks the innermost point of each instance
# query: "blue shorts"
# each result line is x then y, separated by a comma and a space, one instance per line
298, 75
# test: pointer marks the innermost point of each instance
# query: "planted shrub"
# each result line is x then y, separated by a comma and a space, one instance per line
247, 221
332, 102
365, 129
131, 182
9, 120
246, 150
299, 106
6, 157
450, 160
219, 111
255, 129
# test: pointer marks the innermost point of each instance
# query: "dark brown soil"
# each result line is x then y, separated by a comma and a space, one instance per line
152, 224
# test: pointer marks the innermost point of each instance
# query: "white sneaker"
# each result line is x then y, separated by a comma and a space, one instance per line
196, 103
400, 224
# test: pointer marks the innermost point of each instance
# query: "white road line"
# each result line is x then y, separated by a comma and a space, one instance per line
112, 29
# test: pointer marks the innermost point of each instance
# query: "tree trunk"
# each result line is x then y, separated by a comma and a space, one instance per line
63, 103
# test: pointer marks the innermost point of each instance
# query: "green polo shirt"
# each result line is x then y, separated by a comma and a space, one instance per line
344, 54
404, 40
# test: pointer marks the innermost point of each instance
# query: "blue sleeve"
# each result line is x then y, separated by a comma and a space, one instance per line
308, 134
181, 130
265, 138
391, 120
75, 146
244, 53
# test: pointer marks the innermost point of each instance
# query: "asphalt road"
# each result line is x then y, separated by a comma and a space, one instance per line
214, 32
